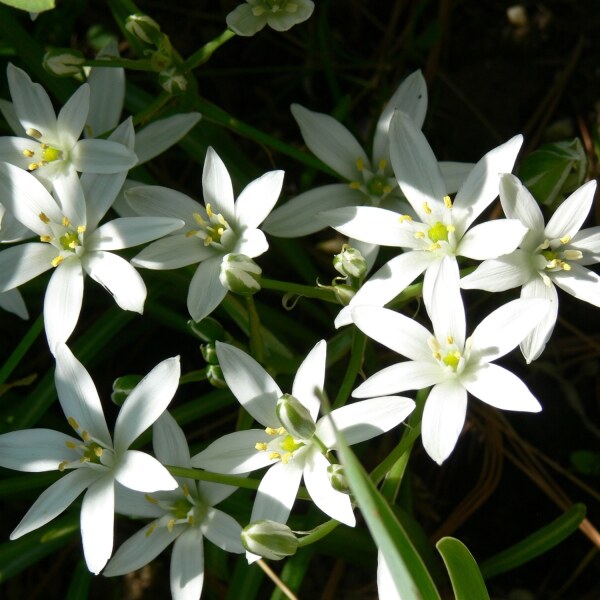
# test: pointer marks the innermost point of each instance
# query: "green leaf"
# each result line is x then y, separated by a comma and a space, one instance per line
536, 544
465, 575
80, 583
30, 5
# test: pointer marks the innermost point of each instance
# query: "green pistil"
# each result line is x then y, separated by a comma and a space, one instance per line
377, 186
451, 360
289, 444
50, 154
549, 255
92, 453
439, 232
69, 241
181, 508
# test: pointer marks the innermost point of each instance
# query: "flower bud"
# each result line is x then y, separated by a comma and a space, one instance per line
63, 62
269, 539
208, 330
214, 374
144, 28
209, 353
172, 81
162, 57
122, 387
295, 418
344, 293
337, 478
240, 274
350, 262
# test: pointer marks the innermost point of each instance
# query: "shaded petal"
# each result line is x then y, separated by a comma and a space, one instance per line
213, 493
143, 473
491, 239
12, 230
73, 115
223, 531
10, 115
63, 300
443, 419
118, 277
57, 498
173, 252
216, 184
586, 241
330, 141
19, 264
333, 503
254, 388
136, 504
501, 274
302, 215
570, 215
242, 21
206, 292
258, 199
78, 396
148, 400
579, 282
12, 148
454, 174
97, 522
187, 565
310, 378
102, 156
12, 302
69, 193
169, 443
283, 20
157, 201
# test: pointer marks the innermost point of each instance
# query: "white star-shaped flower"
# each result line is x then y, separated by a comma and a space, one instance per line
549, 255
281, 15
93, 459
210, 232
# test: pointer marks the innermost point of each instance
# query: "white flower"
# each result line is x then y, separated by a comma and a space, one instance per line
211, 232
293, 458
93, 460
443, 226
552, 254
447, 361
248, 19
49, 145
13, 302
183, 516
72, 243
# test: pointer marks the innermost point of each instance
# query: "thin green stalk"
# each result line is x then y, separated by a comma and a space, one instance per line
203, 54
318, 533
257, 346
141, 64
15, 358
322, 293
359, 341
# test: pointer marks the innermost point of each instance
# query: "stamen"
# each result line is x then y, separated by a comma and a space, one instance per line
71, 445
270, 431
33, 166
34, 133
98, 451
73, 423
62, 465
360, 164
171, 524
191, 233
565, 266
65, 222
150, 499
447, 202
45, 238
85, 436
274, 456
186, 489
404, 218
426, 208
383, 164
573, 254
150, 529
198, 218
450, 339
261, 446
355, 185
190, 520
209, 211
387, 189
81, 229
286, 457
419, 234
28, 153
565, 239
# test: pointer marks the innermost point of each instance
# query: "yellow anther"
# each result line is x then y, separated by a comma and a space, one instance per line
286, 457
191, 233
447, 202
270, 431
426, 208
71, 445
65, 222
404, 218
84, 459
360, 164
81, 229
387, 189
43, 146
62, 465
450, 228
450, 339
382, 164
186, 489
262, 446
33, 166
355, 185
565, 239
435, 246
274, 456
150, 499
34, 133
565, 266
221, 220
281, 430
171, 524
209, 211
98, 451
73, 423
45, 238
28, 153
73, 245
208, 240
198, 218
573, 254
220, 231
85, 436
419, 234
190, 520
150, 529
437, 356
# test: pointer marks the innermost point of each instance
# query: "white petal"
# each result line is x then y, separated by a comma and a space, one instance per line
118, 277
136, 504
216, 184
97, 523
310, 379
491, 239
55, 500
10, 116
443, 419
243, 22
330, 141
258, 198
35, 450
223, 531
205, 292
169, 443
335, 504
364, 420
501, 274
148, 400
157, 201
500, 388
69, 193
11, 230
570, 215
518, 203
173, 252
302, 215
187, 566
12, 302
62, 303
19, 264
252, 243
141, 472
454, 174
160, 135
579, 282
12, 149
213, 493
277, 491
386, 587
78, 396
102, 156
73, 115
254, 388
586, 241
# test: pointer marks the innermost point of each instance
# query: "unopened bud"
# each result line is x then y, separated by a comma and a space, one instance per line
208, 330
162, 57
209, 353
214, 374
172, 81
269, 539
350, 262
344, 293
295, 418
144, 28
63, 62
337, 478
122, 387
240, 274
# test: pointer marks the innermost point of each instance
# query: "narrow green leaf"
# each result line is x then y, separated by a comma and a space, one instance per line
294, 570
535, 544
30, 5
465, 575
246, 581
80, 583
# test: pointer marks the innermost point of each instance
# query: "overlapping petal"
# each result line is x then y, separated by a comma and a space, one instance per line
141, 472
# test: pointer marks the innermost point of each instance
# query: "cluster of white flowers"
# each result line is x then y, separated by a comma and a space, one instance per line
58, 187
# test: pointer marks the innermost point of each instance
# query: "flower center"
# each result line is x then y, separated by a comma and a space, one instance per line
210, 231
557, 258
282, 447
46, 152
447, 354
90, 451
64, 236
185, 510
374, 185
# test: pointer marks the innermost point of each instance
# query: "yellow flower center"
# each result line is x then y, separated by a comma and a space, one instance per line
210, 231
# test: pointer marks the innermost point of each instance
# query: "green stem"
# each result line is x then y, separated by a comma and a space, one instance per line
322, 293
318, 533
359, 341
203, 54
257, 347
117, 63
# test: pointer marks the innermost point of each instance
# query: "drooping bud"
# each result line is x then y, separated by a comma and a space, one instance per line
144, 28
63, 62
269, 539
173, 81
123, 386
337, 478
295, 418
208, 330
214, 374
209, 353
350, 262
240, 274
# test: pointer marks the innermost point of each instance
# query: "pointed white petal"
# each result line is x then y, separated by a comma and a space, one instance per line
78, 396
19, 264
500, 388
141, 472
187, 566
148, 400
223, 531
55, 500
102, 156
254, 388
11, 230
213, 493
518, 203
586, 241
579, 282
330, 141
73, 115
443, 419
169, 443
216, 184
12, 148
136, 504
258, 198
454, 174
364, 420
277, 491
160, 135
173, 252
157, 201
97, 523
302, 215
68, 191
10, 116
491, 239
205, 292
310, 378
118, 277
386, 586
335, 504
570, 215
501, 274
62, 303
12, 302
